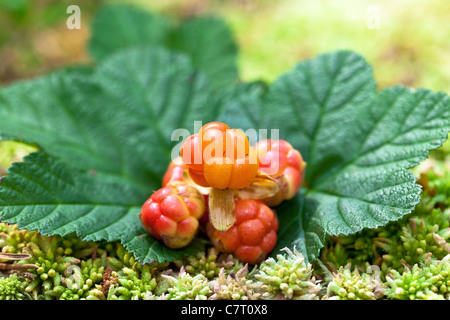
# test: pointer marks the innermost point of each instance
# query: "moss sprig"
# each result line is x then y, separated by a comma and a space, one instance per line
287, 277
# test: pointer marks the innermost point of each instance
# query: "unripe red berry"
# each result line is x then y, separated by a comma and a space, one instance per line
254, 234
171, 214
205, 217
175, 172
279, 160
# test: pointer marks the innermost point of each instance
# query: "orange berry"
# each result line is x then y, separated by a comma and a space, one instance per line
191, 152
226, 159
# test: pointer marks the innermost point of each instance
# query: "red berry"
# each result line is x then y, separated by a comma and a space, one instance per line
172, 214
251, 232
175, 172
187, 226
205, 217
173, 207
279, 160
253, 236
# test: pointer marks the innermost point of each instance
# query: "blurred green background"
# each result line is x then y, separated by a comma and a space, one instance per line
406, 41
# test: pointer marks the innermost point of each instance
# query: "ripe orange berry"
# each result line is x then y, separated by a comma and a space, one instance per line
212, 135
254, 234
191, 152
220, 157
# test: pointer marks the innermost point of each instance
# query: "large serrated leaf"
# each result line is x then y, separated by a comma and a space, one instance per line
119, 120
44, 194
358, 144
210, 44
120, 26
108, 140
207, 41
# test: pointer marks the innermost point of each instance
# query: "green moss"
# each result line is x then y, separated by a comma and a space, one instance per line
353, 285
13, 288
407, 241
235, 286
414, 240
287, 276
209, 263
183, 286
357, 250
71, 269
428, 281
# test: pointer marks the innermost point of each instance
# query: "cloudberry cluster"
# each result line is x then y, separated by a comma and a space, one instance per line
225, 187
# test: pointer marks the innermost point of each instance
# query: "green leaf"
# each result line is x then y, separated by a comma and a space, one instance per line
206, 40
56, 112
119, 120
358, 144
44, 194
107, 138
211, 46
120, 26
241, 105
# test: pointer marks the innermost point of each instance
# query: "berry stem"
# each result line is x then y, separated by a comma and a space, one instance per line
221, 208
